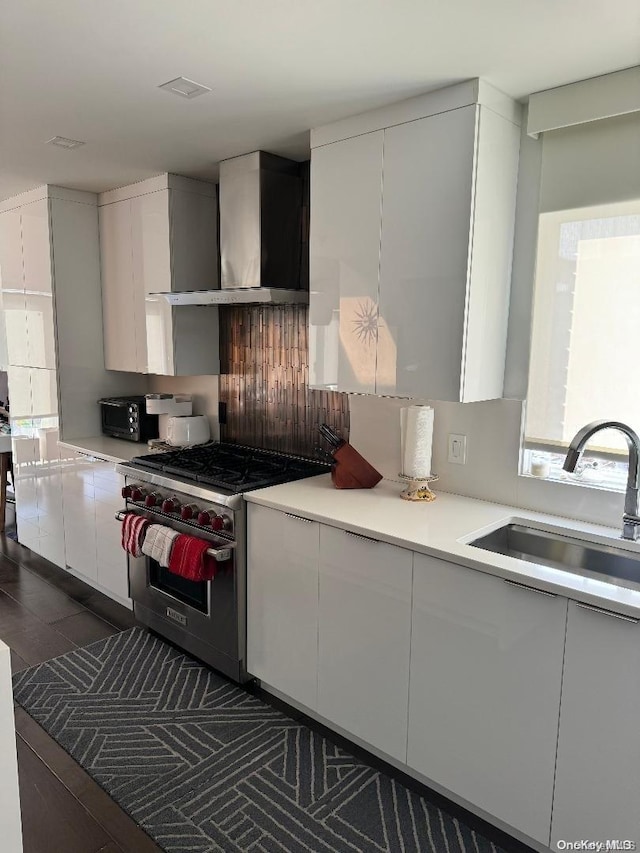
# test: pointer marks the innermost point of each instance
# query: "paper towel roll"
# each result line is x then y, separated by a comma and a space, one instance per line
416, 430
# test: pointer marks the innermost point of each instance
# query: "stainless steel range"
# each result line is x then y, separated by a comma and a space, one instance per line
199, 491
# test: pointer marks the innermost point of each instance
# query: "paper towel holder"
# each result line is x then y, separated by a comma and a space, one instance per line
418, 488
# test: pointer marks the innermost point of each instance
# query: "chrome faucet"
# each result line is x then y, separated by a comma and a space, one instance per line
631, 517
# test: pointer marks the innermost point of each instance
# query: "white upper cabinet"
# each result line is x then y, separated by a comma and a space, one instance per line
118, 315
598, 767
412, 211
159, 236
346, 193
14, 301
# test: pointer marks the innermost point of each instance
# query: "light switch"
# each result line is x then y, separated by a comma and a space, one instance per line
457, 449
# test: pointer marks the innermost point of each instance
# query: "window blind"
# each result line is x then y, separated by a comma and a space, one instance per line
586, 318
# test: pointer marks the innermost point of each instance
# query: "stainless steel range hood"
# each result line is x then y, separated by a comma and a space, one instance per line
260, 234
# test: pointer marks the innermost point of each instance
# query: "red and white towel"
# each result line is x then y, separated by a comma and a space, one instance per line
158, 543
134, 528
190, 560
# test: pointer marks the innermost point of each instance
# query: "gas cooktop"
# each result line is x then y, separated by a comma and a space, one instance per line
232, 467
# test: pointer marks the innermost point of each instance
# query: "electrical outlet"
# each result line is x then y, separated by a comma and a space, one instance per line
457, 449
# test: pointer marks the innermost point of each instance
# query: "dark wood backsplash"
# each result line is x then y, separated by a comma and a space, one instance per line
264, 356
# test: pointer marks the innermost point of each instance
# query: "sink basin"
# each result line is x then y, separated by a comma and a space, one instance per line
561, 552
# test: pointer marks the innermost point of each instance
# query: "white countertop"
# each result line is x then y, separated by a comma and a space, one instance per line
442, 528
104, 447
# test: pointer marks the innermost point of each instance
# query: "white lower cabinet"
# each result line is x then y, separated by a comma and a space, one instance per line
111, 558
484, 699
598, 773
364, 638
79, 514
282, 602
92, 495
515, 700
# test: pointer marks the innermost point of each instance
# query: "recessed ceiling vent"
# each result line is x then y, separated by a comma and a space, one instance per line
63, 142
185, 88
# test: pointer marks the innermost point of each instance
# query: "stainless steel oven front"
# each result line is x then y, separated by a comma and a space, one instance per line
205, 618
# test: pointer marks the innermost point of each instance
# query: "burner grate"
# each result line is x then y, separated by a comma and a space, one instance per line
233, 467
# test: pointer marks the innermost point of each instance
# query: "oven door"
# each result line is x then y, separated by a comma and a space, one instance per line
200, 617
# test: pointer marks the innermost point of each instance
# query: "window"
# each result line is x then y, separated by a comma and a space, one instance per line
586, 314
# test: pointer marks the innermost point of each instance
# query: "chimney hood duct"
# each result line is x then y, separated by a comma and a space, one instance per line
260, 234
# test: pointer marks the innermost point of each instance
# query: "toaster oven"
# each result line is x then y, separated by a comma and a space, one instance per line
126, 417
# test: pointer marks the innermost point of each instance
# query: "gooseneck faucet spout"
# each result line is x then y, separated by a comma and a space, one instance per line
631, 517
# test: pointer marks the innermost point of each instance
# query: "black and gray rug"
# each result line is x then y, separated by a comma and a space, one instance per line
204, 766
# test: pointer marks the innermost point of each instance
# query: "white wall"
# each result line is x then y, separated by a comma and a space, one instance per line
204, 390
493, 447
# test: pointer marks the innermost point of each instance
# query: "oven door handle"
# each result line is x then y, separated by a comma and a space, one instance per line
218, 554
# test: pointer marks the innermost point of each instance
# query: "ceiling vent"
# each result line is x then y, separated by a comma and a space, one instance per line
185, 88
63, 142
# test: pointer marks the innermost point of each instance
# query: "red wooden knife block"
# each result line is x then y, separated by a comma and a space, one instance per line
352, 471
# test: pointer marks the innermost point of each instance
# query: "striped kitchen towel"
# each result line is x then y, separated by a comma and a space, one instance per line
190, 560
158, 543
134, 527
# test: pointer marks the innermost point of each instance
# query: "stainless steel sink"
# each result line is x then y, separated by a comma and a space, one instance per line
561, 552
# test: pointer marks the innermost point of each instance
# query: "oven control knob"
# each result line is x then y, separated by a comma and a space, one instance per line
189, 511
170, 505
126, 491
204, 517
227, 523
137, 493
152, 499
217, 522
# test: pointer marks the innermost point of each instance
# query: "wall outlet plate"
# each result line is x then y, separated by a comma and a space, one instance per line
457, 449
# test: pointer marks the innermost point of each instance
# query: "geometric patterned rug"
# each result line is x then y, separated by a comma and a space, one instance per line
204, 766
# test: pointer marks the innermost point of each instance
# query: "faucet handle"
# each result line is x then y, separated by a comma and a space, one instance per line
630, 526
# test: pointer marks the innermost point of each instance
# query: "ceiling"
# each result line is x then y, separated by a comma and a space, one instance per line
91, 71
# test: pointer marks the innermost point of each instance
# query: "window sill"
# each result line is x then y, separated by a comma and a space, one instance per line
592, 472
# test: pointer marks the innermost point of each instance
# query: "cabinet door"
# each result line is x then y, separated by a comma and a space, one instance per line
19, 384
282, 602
484, 699
111, 558
12, 279
598, 771
364, 636
194, 241
24, 451
346, 195
44, 393
428, 189
119, 309
36, 251
79, 515
150, 236
11, 272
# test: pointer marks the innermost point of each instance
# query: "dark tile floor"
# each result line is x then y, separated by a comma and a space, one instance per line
45, 612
